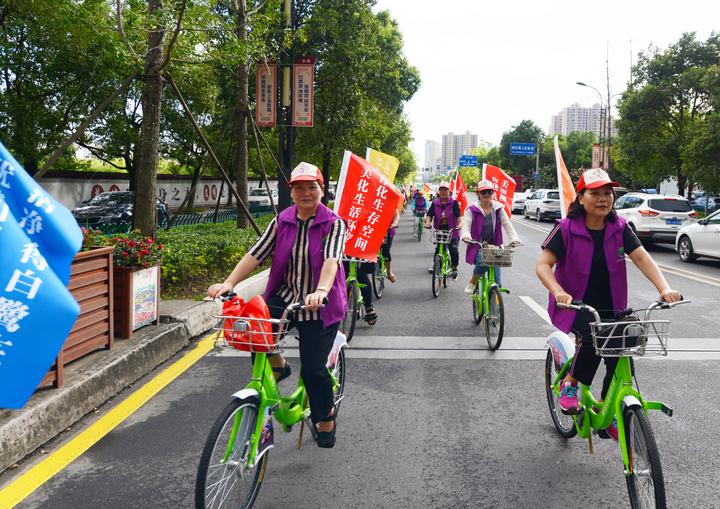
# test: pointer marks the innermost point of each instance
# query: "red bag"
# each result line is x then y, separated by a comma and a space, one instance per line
248, 335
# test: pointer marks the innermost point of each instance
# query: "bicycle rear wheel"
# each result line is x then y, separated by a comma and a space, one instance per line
495, 321
223, 477
477, 305
347, 326
378, 279
419, 231
564, 424
339, 372
645, 483
437, 275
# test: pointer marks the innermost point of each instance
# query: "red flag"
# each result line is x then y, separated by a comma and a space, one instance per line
460, 192
504, 186
452, 185
367, 201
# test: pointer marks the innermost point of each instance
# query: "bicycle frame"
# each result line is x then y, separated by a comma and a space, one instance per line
352, 279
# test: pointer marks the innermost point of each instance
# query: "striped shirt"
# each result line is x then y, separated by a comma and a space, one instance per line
299, 281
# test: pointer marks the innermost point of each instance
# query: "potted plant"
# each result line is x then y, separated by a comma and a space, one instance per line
136, 280
91, 284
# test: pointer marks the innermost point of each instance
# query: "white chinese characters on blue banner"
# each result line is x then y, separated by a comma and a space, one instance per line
39, 238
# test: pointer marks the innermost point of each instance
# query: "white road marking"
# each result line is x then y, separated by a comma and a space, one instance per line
527, 224
687, 274
541, 311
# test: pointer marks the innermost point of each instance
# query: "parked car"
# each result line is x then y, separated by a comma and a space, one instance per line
620, 191
518, 203
655, 217
543, 204
712, 204
699, 239
114, 209
259, 198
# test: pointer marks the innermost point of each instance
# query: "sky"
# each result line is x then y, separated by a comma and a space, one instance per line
487, 66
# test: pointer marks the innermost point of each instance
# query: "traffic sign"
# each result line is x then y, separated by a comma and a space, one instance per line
468, 161
522, 149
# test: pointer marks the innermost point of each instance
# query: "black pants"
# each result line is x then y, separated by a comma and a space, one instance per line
363, 276
316, 341
453, 248
586, 361
385, 249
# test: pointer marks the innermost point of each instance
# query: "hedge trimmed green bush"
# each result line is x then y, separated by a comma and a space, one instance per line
196, 256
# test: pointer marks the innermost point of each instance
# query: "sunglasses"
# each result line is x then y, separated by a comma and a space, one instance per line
487, 191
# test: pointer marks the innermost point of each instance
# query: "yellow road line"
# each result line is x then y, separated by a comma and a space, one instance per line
689, 272
19, 489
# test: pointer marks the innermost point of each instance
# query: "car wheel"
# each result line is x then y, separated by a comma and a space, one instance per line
525, 213
538, 216
685, 250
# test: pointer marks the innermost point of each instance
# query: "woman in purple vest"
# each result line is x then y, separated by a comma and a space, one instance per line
588, 250
444, 213
484, 222
306, 242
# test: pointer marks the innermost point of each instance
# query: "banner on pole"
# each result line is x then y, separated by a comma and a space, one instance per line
460, 192
304, 92
387, 164
504, 186
266, 91
567, 190
367, 202
39, 238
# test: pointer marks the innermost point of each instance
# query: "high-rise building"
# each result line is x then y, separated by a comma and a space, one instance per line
432, 154
454, 146
577, 118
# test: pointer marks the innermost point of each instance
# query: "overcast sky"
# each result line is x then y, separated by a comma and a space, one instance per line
486, 66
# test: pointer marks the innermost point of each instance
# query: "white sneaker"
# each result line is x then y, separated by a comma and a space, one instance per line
470, 289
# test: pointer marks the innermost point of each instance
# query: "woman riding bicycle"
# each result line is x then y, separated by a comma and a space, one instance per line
588, 250
419, 203
385, 249
484, 222
306, 242
444, 213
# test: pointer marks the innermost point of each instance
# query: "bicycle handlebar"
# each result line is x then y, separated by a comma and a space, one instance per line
292, 308
579, 305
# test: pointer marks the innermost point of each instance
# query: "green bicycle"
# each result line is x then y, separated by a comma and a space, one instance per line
629, 336
441, 269
487, 300
378, 277
355, 301
234, 460
419, 223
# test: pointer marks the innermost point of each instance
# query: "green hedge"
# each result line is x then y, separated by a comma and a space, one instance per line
199, 255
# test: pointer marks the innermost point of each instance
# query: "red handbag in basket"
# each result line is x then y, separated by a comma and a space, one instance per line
249, 335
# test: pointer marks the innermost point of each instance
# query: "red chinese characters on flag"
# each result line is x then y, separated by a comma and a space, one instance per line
504, 186
460, 192
367, 202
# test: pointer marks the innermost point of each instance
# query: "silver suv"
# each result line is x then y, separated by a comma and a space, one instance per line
655, 217
543, 204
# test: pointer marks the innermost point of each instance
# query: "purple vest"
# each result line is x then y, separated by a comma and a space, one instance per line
573, 270
438, 209
318, 232
476, 228
420, 202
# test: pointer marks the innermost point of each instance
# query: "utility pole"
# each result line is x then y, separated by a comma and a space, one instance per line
286, 129
609, 122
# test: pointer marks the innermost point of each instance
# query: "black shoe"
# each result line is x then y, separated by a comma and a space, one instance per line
326, 439
284, 371
454, 275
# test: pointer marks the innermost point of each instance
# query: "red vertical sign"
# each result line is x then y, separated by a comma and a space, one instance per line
304, 92
266, 91
504, 186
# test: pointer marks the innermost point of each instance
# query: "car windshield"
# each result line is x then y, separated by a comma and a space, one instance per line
111, 199
553, 195
670, 205
258, 192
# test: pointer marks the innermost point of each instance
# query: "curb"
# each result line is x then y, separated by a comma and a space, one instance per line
94, 379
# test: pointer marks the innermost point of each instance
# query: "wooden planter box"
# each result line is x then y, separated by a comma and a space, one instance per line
91, 284
136, 292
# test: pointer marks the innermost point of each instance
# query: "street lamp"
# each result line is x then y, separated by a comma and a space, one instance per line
604, 111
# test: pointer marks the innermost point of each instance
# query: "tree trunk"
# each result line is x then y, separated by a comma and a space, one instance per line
241, 159
146, 178
681, 182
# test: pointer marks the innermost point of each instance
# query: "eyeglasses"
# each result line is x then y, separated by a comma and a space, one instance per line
487, 192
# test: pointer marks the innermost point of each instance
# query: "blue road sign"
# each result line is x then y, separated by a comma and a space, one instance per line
468, 161
522, 149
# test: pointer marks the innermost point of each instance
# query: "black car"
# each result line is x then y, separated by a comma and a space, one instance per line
114, 209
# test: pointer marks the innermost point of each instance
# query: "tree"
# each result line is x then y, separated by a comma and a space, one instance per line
526, 132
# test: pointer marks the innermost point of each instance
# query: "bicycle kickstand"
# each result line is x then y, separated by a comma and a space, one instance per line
590, 443
302, 426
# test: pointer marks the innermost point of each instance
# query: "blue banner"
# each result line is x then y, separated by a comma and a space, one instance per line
39, 238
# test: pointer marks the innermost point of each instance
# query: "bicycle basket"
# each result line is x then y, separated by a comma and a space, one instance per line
258, 335
496, 256
630, 337
441, 236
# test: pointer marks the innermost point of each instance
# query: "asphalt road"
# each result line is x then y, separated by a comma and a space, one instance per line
432, 418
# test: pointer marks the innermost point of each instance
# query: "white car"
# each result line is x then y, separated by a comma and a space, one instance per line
518, 202
543, 204
655, 217
259, 198
699, 239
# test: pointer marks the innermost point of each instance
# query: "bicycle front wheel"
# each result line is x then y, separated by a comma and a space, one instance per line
495, 321
645, 483
477, 305
224, 478
339, 373
378, 280
437, 275
347, 326
419, 231
564, 424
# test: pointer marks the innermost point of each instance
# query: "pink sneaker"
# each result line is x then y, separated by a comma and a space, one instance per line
611, 431
568, 398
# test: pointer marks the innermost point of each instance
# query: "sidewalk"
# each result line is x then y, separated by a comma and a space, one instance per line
97, 377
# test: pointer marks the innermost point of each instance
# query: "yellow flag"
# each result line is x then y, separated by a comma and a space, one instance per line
387, 164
